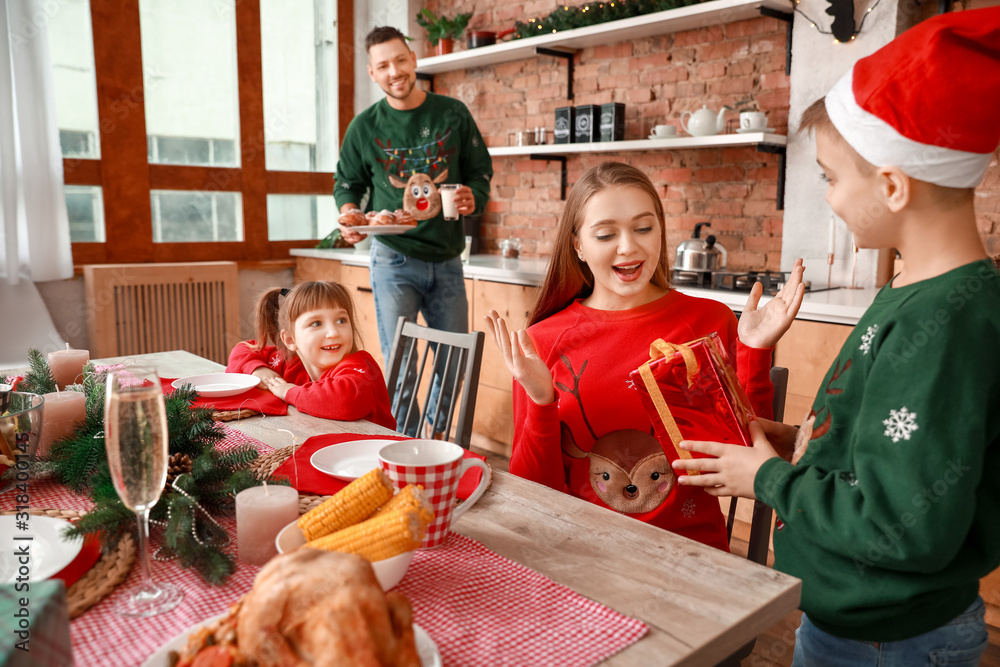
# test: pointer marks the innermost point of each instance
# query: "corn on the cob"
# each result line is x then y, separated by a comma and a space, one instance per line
378, 538
354, 503
410, 496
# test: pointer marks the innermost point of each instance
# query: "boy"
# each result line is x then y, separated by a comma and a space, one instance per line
889, 513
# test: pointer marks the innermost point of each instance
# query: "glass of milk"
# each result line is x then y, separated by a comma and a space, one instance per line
448, 206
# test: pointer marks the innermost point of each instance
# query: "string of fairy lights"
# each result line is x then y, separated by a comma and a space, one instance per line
815, 26
568, 17
422, 163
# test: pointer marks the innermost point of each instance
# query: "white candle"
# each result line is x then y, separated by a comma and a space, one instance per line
261, 513
61, 412
67, 365
833, 234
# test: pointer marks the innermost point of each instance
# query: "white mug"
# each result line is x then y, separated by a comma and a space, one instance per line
665, 131
753, 120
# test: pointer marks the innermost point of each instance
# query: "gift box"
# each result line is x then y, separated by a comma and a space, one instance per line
691, 393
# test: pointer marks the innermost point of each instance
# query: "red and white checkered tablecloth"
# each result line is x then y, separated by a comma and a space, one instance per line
99, 636
483, 609
479, 608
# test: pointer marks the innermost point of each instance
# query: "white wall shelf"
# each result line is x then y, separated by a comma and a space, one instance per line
764, 142
660, 23
714, 141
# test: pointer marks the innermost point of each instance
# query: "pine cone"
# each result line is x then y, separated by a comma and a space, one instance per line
178, 465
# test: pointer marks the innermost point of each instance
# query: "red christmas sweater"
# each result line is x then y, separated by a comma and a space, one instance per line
353, 389
595, 440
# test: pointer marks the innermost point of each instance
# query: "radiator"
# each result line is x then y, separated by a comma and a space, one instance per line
142, 308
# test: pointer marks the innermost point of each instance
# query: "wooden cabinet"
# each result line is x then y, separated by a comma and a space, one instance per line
494, 419
807, 350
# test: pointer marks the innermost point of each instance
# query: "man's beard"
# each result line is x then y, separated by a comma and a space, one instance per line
399, 96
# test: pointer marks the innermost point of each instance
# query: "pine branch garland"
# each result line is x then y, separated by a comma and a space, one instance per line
38, 379
593, 13
80, 462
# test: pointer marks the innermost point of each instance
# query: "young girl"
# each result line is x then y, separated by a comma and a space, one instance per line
606, 297
314, 362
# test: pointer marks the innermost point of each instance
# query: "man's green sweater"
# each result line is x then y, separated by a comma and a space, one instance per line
402, 156
893, 514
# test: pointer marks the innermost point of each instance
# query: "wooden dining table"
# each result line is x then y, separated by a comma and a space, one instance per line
700, 604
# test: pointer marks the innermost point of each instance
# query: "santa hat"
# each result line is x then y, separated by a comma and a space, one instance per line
928, 101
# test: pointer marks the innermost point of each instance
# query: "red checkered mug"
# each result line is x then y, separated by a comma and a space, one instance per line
437, 466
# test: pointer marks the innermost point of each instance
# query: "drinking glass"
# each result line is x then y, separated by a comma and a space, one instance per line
135, 435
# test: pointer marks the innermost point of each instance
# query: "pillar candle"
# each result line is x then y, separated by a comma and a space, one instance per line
67, 365
60, 413
261, 513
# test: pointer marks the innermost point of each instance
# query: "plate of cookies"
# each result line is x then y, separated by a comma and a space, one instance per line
378, 222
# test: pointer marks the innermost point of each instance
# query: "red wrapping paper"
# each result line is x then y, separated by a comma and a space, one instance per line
691, 393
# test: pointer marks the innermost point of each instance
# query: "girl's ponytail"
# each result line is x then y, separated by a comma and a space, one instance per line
266, 325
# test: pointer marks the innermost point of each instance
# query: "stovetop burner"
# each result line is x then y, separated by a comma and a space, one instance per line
733, 281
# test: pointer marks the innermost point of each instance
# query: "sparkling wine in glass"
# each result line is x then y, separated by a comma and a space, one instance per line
135, 435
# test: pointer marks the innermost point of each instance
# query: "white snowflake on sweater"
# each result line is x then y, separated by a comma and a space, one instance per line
475, 141
867, 337
900, 424
425, 132
688, 509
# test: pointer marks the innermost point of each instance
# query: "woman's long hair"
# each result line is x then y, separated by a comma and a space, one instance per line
568, 278
274, 314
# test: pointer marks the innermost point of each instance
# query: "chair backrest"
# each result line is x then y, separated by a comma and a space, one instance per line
141, 308
760, 522
455, 359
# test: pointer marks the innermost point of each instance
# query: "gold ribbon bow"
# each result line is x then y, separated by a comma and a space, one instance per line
662, 349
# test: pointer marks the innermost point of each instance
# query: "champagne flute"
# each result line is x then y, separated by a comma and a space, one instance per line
135, 435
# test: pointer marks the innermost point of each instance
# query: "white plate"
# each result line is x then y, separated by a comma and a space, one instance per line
349, 460
49, 550
426, 648
377, 230
766, 130
218, 385
389, 572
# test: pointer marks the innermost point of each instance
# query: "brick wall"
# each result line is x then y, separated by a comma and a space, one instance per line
657, 79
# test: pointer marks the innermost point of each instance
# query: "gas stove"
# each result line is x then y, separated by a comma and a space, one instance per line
733, 281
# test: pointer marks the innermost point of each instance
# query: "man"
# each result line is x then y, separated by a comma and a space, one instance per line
400, 150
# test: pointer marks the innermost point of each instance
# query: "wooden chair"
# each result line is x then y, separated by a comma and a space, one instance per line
141, 308
760, 522
454, 371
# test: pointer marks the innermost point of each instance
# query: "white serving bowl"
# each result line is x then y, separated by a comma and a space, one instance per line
389, 572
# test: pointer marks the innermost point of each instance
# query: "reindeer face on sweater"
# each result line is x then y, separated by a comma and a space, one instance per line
628, 469
420, 194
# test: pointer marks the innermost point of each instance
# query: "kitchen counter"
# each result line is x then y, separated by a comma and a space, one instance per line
839, 306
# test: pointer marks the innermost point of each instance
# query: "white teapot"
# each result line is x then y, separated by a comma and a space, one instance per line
704, 122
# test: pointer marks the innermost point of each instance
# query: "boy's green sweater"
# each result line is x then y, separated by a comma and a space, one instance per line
893, 514
412, 152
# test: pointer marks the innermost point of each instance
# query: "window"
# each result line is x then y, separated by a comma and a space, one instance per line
200, 130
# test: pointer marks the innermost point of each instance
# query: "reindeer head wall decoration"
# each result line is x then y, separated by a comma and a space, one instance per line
628, 469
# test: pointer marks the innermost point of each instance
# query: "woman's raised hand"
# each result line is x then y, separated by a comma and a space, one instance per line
522, 360
764, 326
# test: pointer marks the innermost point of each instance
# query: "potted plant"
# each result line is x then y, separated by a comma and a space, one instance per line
442, 31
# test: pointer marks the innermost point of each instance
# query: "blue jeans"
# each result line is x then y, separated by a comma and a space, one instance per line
406, 286
959, 643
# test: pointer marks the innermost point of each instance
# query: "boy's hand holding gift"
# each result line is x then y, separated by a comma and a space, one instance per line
692, 395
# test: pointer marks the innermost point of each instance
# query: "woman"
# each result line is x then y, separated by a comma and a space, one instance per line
581, 425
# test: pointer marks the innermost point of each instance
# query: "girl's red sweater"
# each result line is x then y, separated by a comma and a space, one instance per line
353, 389
591, 353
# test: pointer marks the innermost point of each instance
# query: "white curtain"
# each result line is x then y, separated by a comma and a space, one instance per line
35, 240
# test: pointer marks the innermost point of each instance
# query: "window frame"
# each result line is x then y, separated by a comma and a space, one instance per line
126, 176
